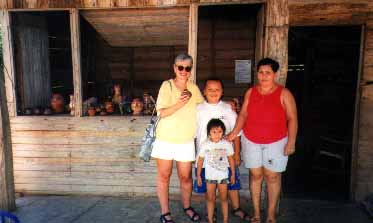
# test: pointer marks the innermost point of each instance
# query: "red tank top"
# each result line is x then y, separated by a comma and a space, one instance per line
266, 117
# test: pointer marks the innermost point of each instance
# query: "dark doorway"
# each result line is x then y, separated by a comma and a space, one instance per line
323, 72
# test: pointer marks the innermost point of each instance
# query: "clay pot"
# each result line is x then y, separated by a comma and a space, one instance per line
28, 111
37, 111
57, 103
109, 107
137, 105
47, 111
91, 111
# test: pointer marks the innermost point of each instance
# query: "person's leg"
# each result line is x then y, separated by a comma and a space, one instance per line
223, 190
184, 171
273, 181
210, 201
234, 197
256, 180
164, 169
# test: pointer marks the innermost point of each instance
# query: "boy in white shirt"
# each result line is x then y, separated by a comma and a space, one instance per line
213, 107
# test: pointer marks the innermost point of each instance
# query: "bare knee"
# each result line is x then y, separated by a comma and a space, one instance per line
272, 178
256, 176
164, 177
185, 179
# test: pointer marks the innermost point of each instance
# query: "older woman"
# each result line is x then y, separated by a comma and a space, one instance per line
176, 104
269, 121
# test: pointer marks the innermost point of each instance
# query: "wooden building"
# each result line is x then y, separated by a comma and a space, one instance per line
82, 47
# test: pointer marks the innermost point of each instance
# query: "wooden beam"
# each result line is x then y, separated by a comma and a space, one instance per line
7, 199
8, 61
276, 35
192, 44
76, 60
329, 13
260, 35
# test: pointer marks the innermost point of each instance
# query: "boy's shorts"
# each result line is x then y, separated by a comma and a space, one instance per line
203, 189
271, 156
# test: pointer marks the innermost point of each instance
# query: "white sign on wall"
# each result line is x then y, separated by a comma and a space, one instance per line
242, 71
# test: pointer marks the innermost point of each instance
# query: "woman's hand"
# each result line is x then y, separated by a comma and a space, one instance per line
230, 136
183, 99
199, 181
289, 149
233, 179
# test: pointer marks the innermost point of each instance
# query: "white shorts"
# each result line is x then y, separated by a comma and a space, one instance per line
184, 152
271, 156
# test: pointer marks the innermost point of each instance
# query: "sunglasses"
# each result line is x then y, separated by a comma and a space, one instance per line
181, 68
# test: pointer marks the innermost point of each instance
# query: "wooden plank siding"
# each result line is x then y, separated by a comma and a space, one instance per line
221, 41
92, 155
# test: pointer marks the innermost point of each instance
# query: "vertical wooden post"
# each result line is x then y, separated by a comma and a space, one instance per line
276, 35
7, 198
8, 63
193, 32
260, 34
75, 51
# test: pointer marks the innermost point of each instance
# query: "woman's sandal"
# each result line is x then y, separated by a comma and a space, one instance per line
195, 217
255, 220
163, 218
244, 217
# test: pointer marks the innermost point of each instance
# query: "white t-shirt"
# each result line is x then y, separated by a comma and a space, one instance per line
215, 156
206, 112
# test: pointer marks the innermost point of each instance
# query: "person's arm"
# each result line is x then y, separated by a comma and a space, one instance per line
233, 169
199, 170
292, 120
241, 118
237, 150
164, 112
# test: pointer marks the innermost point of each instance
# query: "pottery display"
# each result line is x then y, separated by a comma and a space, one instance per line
136, 106
57, 103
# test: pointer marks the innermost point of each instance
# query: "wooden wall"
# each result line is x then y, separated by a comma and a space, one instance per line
363, 184
92, 155
222, 39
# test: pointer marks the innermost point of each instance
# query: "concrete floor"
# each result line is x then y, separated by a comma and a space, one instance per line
89, 209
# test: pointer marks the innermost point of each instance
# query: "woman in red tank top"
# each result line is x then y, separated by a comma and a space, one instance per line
269, 122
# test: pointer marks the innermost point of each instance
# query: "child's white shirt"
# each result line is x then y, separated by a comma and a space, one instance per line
206, 112
215, 156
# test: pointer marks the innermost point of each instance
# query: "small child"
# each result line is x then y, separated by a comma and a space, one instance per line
217, 154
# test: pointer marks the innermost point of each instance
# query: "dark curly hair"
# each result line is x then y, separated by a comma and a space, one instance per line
215, 123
